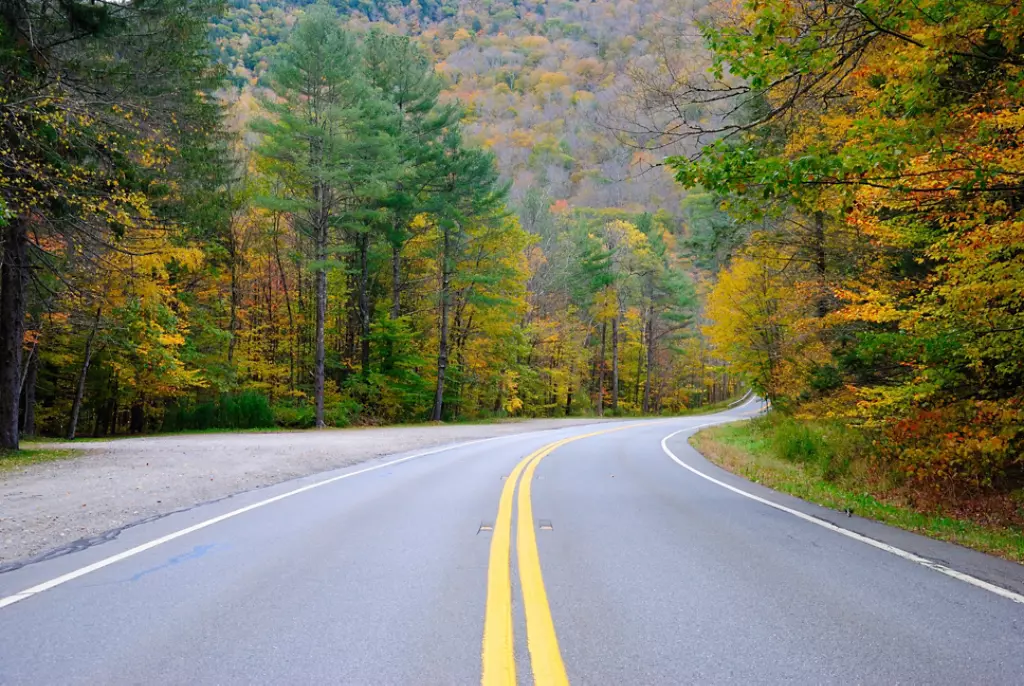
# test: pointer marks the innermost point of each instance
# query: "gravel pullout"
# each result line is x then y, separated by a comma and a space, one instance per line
115, 483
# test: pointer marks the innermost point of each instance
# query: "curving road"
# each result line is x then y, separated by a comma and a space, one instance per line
588, 555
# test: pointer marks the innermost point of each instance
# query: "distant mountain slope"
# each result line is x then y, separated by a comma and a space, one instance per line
535, 75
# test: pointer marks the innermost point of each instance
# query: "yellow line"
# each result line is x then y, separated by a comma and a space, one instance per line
499, 665
498, 653
545, 655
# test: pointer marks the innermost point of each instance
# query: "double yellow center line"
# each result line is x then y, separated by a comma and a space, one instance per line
499, 667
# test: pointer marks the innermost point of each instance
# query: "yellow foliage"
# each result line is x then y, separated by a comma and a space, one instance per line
761, 325
549, 81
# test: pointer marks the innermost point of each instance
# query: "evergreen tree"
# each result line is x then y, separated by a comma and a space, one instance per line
328, 143
466, 190
402, 74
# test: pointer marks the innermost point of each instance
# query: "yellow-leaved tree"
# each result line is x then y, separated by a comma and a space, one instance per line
761, 324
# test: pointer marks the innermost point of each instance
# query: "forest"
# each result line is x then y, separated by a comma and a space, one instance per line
228, 216
280, 213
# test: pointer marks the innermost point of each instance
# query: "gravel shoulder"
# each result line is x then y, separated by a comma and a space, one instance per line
113, 484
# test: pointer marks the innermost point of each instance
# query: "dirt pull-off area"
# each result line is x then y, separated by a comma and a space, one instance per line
115, 483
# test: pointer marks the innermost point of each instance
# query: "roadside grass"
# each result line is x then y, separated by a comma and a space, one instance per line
11, 460
823, 464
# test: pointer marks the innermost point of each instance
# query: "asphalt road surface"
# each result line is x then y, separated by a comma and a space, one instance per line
587, 555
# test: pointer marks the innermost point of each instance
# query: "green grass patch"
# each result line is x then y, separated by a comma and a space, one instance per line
825, 463
12, 460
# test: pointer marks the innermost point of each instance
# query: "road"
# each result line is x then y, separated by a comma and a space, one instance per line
585, 555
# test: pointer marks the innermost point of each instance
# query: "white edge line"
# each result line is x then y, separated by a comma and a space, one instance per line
899, 552
82, 571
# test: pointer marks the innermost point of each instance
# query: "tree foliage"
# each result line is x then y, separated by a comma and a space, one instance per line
879, 143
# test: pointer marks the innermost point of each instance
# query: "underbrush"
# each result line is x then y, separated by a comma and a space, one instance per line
828, 449
246, 410
302, 415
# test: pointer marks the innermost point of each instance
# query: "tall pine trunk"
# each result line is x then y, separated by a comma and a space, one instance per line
650, 362
600, 371
13, 281
288, 304
320, 355
76, 405
615, 363
364, 304
442, 346
321, 307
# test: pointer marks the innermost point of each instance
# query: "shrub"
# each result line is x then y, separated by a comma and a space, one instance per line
246, 410
294, 416
963, 446
340, 414
302, 415
829, 447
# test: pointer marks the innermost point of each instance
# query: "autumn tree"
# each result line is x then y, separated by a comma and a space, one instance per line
95, 98
879, 142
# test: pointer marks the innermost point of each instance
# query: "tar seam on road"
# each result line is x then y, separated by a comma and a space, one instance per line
899, 552
71, 576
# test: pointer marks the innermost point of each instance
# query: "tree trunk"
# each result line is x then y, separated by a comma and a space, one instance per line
396, 280
353, 325
13, 281
321, 320
320, 359
28, 427
288, 306
820, 261
28, 362
364, 304
137, 417
650, 362
615, 363
568, 393
233, 325
76, 405
600, 371
442, 345
639, 369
